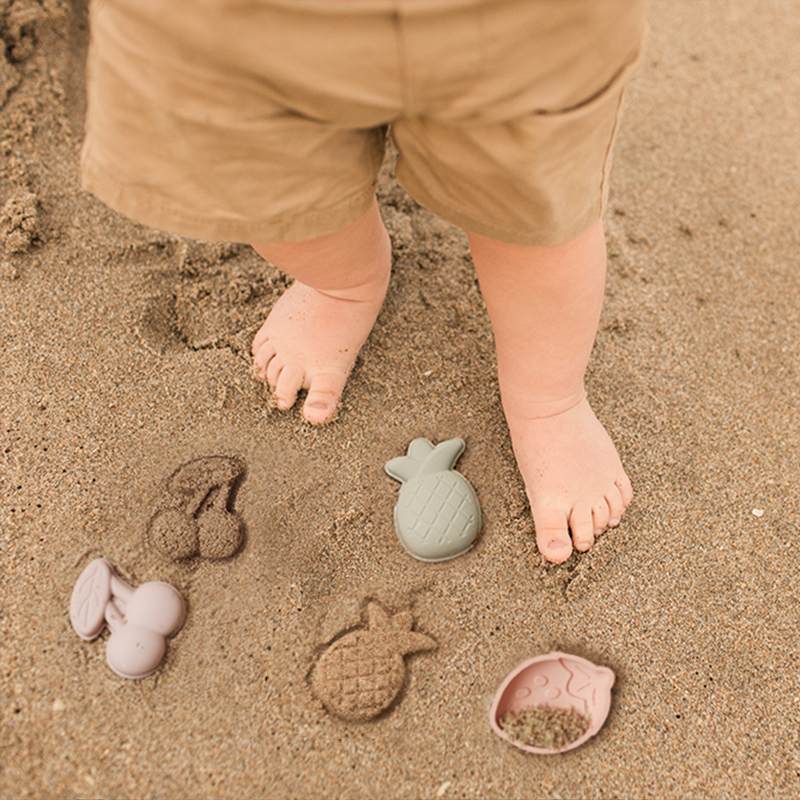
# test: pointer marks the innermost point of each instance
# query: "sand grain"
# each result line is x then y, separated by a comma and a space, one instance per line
125, 354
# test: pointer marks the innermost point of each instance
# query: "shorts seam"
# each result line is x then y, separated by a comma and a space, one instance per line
145, 207
464, 219
605, 173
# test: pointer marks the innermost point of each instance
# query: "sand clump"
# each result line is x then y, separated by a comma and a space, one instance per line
545, 726
9, 80
693, 599
18, 20
18, 223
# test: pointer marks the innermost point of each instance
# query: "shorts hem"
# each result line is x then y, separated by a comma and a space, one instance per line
470, 224
147, 208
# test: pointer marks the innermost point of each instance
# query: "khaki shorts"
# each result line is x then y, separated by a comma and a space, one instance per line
260, 121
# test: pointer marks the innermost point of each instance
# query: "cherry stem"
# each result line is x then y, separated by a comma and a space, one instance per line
220, 501
121, 590
198, 499
114, 616
218, 494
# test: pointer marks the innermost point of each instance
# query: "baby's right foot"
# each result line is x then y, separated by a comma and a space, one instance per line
311, 338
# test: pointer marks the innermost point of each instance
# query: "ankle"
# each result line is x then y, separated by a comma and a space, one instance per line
529, 405
352, 263
370, 285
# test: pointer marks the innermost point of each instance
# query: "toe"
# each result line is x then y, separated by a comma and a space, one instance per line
259, 339
288, 385
261, 359
552, 534
615, 506
324, 392
600, 516
273, 371
582, 527
625, 489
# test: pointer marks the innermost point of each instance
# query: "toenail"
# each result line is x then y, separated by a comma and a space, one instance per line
557, 543
612, 523
318, 404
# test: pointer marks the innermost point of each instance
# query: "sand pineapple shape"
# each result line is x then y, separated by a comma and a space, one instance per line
362, 672
437, 515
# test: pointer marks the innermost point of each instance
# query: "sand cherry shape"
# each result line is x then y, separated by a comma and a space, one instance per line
196, 517
558, 680
140, 619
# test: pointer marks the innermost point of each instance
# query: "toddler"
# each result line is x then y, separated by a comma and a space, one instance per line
264, 121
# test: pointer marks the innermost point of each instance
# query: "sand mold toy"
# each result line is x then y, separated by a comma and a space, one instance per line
437, 516
361, 673
140, 619
194, 516
554, 681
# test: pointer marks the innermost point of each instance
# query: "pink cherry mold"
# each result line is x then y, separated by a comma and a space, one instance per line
140, 619
558, 680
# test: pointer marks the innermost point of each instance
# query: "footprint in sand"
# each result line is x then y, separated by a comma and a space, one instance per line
195, 515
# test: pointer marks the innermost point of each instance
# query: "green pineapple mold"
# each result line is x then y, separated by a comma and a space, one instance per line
437, 516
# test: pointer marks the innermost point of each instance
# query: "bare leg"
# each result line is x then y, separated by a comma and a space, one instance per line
544, 303
316, 329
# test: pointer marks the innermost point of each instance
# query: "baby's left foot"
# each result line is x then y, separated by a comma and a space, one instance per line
544, 303
573, 476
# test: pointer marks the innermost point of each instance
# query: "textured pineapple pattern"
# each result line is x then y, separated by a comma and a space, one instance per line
437, 516
360, 674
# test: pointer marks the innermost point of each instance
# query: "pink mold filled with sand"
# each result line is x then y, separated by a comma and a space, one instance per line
558, 680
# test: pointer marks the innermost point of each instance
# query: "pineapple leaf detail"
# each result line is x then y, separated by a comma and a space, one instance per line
415, 642
443, 456
377, 618
423, 457
403, 620
402, 468
419, 448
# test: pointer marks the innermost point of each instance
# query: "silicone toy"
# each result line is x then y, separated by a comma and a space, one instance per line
361, 673
437, 516
140, 619
559, 680
194, 517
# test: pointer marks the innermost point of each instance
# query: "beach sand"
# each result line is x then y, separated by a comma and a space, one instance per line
125, 354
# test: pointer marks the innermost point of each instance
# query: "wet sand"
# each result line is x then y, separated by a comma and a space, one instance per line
124, 355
